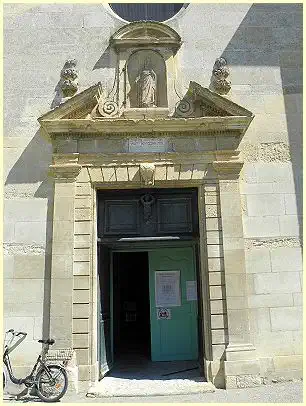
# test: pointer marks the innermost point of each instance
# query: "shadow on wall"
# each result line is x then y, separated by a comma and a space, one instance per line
108, 59
31, 168
276, 31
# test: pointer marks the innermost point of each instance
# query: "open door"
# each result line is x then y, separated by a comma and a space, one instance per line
105, 353
173, 304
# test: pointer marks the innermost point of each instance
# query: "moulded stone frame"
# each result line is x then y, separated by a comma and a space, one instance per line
166, 43
84, 171
170, 61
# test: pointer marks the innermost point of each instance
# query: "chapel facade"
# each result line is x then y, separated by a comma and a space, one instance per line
153, 190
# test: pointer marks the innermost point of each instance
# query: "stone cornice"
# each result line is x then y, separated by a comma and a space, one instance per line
164, 134
221, 160
170, 125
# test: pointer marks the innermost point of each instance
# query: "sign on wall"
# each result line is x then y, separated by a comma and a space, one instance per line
148, 145
167, 288
191, 290
163, 314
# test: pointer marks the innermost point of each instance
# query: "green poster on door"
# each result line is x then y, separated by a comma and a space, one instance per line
173, 305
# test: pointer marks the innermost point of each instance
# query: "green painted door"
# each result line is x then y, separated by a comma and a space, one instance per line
173, 305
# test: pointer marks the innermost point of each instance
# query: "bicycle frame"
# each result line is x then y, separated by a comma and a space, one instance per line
29, 380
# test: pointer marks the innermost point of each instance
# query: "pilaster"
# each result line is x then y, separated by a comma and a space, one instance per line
241, 365
62, 253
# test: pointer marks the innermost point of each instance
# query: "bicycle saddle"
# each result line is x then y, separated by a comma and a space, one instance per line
50, 341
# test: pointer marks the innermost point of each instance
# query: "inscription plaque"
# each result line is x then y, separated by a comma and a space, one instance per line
148, 145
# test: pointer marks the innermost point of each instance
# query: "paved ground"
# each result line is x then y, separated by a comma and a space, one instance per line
289, 392
139, 376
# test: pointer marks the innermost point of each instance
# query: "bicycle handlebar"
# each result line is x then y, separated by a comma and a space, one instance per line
8, 346
17, 333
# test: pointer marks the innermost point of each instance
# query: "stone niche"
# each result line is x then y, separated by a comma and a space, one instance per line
147, 53
146, 86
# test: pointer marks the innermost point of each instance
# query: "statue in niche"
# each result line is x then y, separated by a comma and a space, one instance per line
146, 83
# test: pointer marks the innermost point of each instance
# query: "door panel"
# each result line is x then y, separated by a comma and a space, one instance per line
104, 328
175, 338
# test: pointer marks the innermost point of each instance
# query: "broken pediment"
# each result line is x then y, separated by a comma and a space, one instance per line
202, 102
145, 33
78, 106
200, 109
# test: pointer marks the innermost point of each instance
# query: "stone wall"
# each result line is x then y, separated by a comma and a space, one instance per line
262, 44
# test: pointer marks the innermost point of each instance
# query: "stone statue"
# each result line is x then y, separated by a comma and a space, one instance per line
146, 88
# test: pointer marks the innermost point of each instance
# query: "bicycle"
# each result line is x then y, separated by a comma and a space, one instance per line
50, 381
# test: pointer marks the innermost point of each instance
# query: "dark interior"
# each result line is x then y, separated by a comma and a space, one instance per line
131, 304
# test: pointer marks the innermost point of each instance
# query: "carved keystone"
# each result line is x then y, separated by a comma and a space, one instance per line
147, 172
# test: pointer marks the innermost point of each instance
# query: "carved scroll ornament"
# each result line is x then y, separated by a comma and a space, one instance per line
108, 108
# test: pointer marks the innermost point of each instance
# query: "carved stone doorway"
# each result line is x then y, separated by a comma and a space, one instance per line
142, 224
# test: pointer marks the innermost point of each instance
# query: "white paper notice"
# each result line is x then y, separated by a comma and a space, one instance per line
191, 290
167, 288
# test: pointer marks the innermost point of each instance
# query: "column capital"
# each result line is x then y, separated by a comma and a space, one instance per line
68, 171
227, 169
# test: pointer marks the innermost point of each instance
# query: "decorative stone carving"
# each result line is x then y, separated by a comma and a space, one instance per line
147, 201
68, 171
185, 107
219, 79
146, 84
108, 108
147, 172
144, 34
231, 168
145, 80
69, 78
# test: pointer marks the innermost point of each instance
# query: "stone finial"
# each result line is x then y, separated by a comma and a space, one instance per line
219, 76
147, 171
69, 78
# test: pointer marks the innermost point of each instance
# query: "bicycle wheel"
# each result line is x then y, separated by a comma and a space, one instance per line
51, 383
